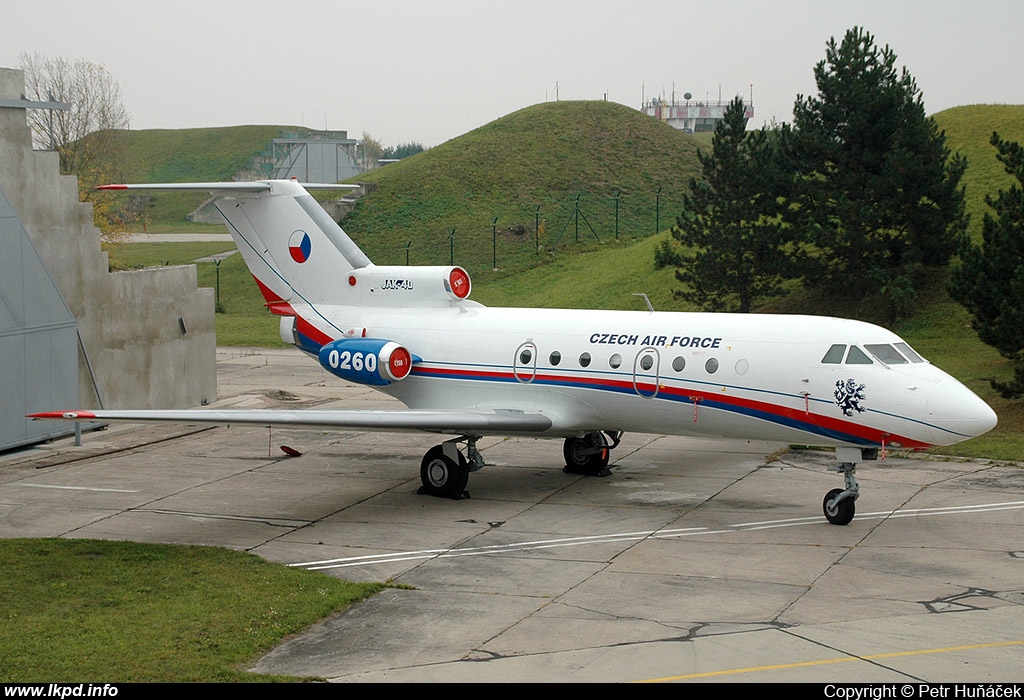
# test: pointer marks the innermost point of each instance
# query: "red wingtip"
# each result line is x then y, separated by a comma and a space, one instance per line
64, 415
112, 187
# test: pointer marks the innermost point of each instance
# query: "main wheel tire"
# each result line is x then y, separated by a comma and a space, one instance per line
577, 458
441, 476
840, 513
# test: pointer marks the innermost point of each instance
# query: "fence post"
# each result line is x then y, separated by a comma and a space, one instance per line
617, 193
657, 211
536, 227
494, 241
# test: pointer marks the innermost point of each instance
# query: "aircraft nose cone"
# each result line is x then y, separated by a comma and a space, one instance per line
956, 413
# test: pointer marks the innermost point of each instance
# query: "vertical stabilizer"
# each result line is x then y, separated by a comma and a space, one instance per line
296, 252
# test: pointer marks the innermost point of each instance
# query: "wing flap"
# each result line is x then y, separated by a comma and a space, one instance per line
413, 420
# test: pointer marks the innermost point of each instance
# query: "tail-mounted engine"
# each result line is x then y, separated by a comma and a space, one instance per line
397, 285
371, 361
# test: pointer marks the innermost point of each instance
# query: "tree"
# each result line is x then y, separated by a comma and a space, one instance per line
877, 192
403, 150
735, 249
90, 136
373, 151
989, 282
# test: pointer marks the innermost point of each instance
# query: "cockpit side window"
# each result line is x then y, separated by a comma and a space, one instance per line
886, 354
834, 356
858, 357
909, 353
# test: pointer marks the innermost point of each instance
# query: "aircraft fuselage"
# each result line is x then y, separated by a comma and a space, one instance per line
754, 376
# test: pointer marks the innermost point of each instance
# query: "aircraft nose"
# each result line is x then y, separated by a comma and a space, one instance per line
956, 413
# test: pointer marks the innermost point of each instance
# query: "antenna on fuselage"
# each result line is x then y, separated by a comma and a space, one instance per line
650, 306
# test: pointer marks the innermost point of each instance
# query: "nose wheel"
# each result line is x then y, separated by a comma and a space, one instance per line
839, 505
838, 511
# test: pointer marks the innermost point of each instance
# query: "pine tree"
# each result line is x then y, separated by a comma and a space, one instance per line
989, 282
734, 247
878, 192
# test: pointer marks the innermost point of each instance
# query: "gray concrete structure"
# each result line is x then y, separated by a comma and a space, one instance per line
38, 339
148, 337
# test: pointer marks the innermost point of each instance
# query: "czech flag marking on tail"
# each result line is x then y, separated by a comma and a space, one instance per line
299, 246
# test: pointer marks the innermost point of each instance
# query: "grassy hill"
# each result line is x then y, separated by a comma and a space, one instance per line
190, 155
542, 156
968, 130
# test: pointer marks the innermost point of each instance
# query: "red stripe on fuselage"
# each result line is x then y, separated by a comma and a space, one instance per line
786, 415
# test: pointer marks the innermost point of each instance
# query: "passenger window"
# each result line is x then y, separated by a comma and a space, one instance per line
525, 356
711, 366
646, 362
555, 358
679, 364
858, 357
615, 361
834, 356
585, 359
886, 354
909, 353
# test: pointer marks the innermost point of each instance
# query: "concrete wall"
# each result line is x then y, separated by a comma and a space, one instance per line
129, 321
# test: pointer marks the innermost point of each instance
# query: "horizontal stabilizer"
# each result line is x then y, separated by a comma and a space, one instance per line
251, 187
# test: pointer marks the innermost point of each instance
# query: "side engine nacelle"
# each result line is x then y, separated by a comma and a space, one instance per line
396, 285
371, 361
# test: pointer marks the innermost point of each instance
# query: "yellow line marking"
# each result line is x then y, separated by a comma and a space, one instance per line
823, 662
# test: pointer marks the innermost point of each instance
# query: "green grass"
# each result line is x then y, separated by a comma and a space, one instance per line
118, 612
968, 130
133, 256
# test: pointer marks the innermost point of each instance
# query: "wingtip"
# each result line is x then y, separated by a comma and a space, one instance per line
63, 415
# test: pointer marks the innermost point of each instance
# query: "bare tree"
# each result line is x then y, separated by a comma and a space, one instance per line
90, 136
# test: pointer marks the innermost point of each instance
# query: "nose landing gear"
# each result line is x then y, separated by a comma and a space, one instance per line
839, 504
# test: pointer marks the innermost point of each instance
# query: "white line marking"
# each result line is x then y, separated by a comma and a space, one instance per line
75, 488
636, 536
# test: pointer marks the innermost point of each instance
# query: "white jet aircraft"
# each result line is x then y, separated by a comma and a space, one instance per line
585, 377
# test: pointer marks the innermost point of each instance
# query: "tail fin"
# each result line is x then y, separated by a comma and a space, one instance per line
294, 250
302, 260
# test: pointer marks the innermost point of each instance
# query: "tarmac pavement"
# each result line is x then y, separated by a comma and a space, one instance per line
695, 560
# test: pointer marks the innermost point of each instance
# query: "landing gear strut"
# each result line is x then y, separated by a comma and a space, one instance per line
589, 455
444, 470
839, 504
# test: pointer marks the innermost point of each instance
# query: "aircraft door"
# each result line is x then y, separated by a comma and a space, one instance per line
524, 364
646, 369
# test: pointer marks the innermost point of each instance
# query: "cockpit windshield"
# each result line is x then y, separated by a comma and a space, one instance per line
895, 354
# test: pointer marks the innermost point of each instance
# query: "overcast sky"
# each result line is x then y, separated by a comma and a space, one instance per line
432, 70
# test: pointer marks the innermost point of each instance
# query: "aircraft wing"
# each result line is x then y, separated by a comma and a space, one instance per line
499, 422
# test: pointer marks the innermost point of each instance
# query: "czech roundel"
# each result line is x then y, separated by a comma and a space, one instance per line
299, 246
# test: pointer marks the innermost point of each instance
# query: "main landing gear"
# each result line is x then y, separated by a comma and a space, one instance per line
444, 470
838, 505
589, 455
